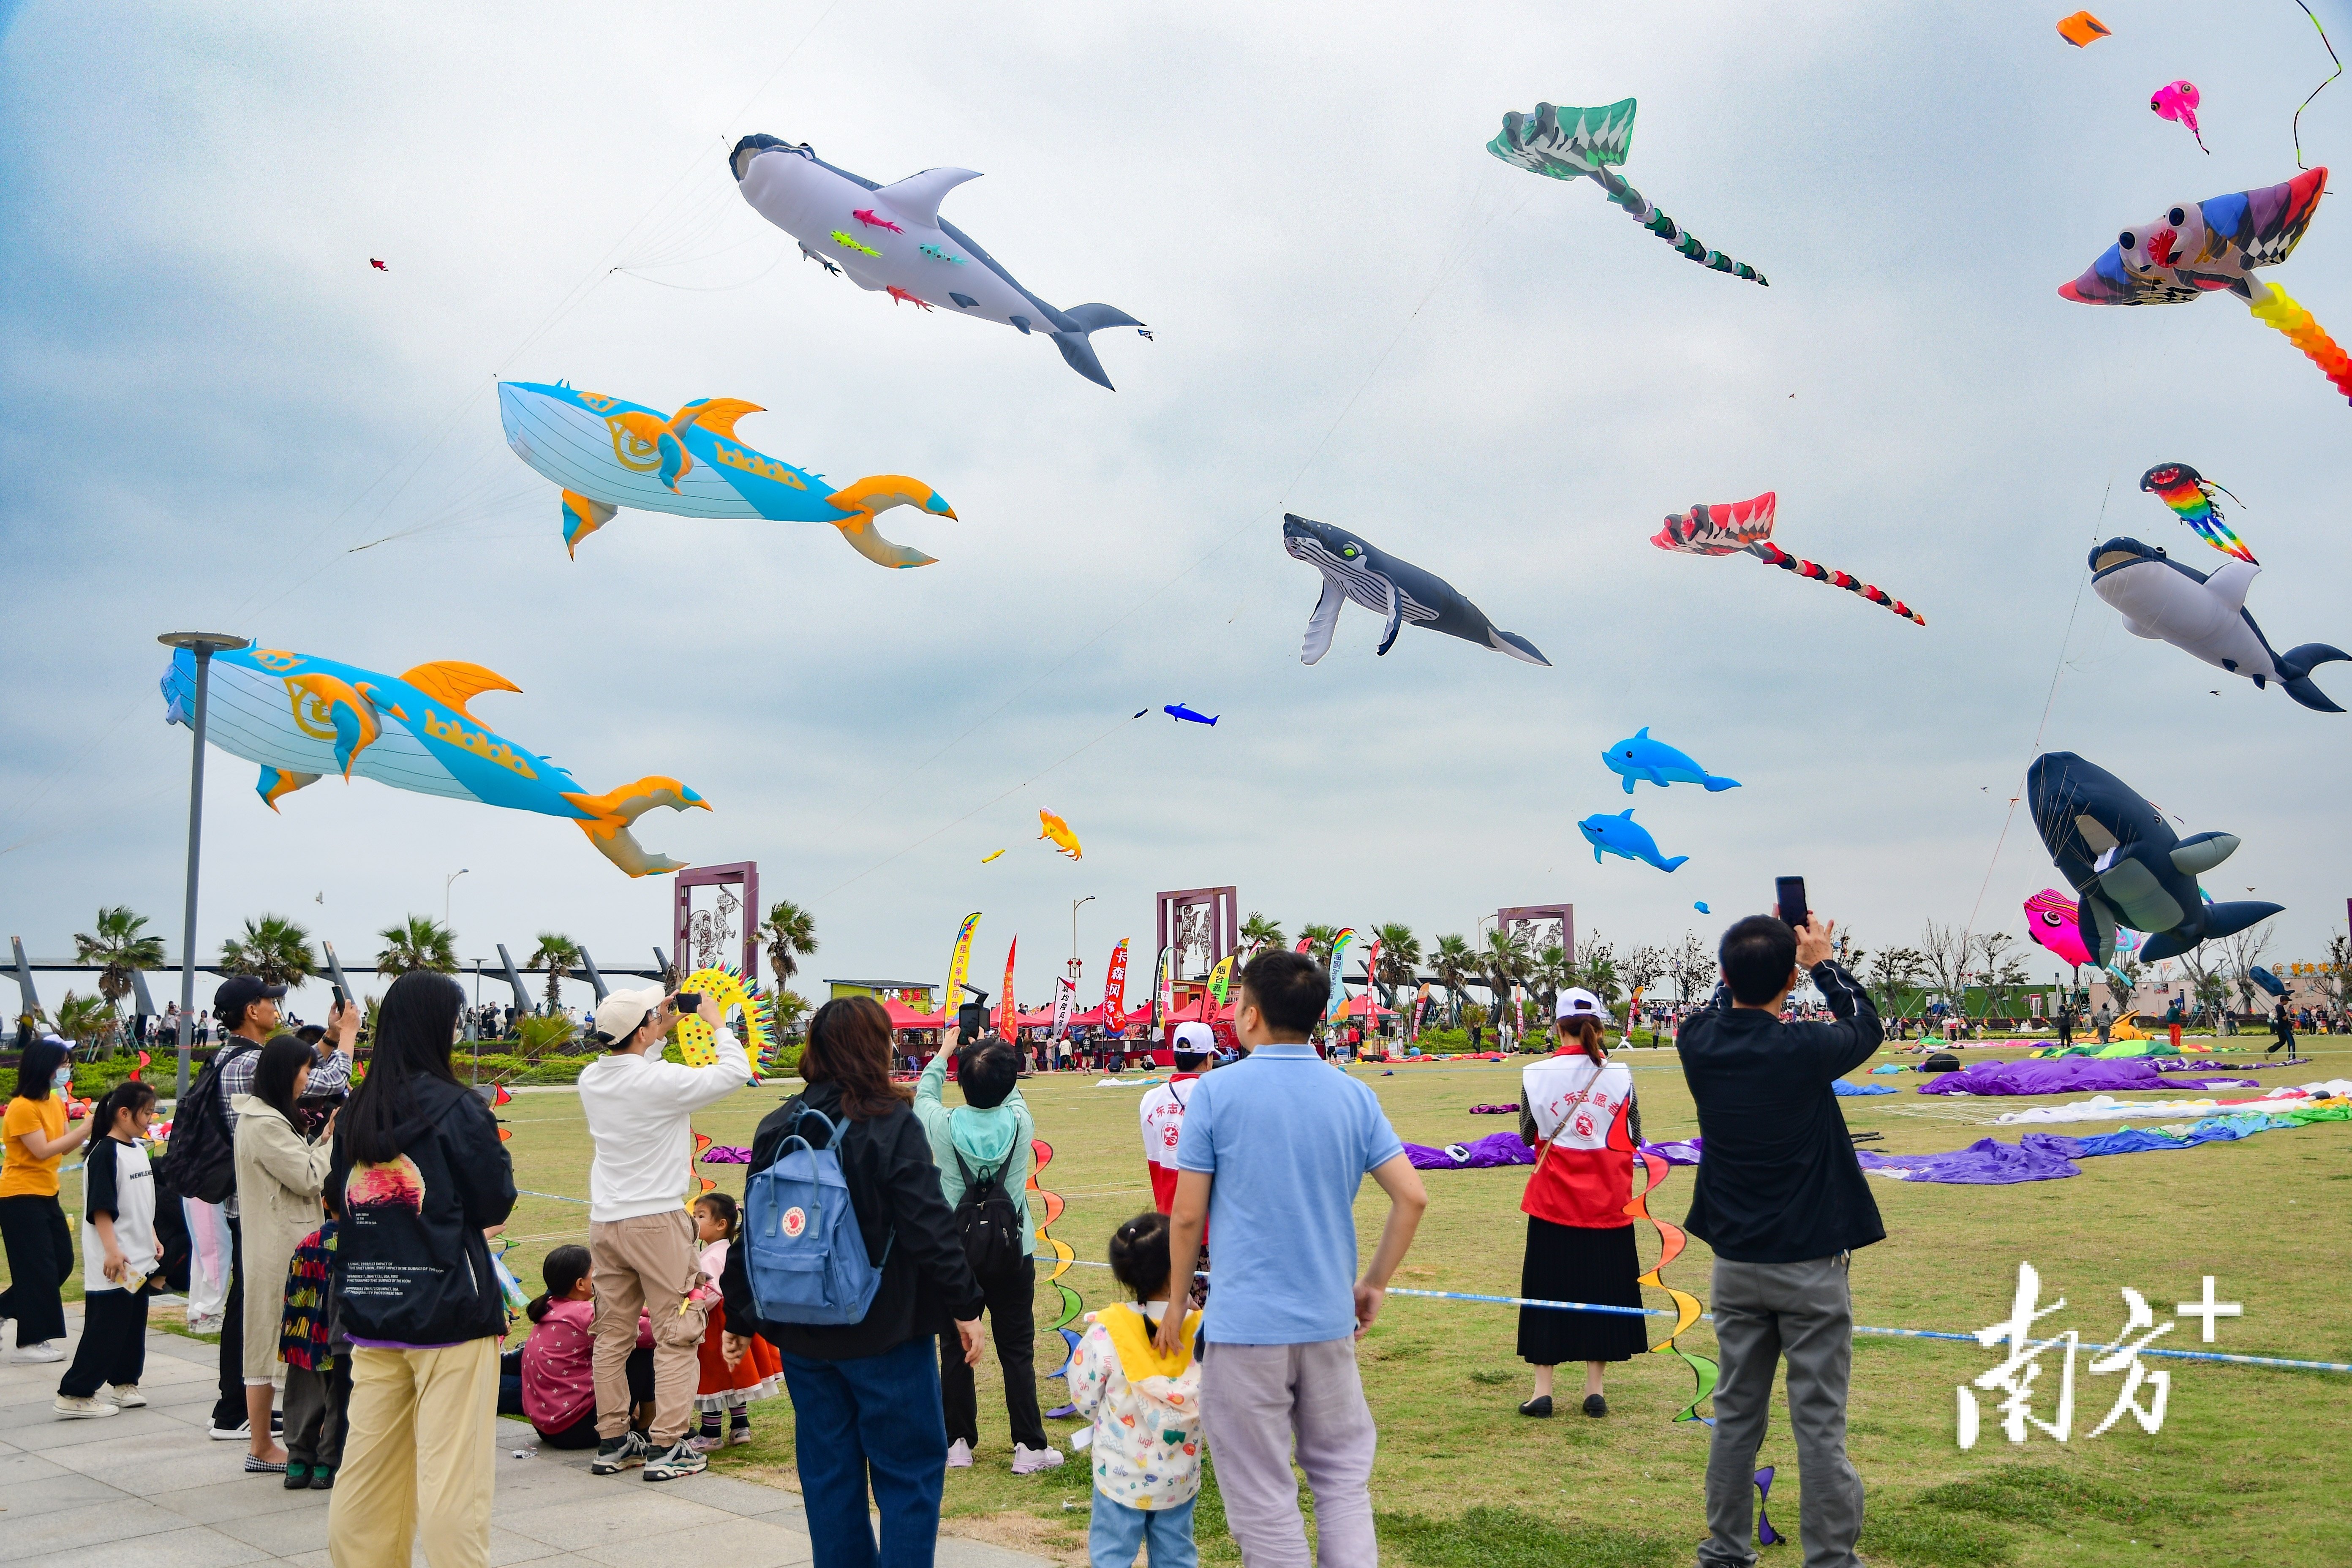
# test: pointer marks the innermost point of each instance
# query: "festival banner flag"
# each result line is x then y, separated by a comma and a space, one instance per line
1115, 989
1163, 986
959, 966
1065, 993
1221, 980
1338, 1006
1008, 1016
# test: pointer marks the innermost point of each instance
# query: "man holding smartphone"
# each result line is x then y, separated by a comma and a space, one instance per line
1782, 1202
640, 1243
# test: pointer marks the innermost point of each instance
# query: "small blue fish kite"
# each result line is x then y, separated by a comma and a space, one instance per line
1620, 835
1703, 909
1178, 710
1639, 757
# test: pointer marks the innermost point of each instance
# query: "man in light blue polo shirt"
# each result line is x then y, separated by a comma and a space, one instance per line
1273, 1152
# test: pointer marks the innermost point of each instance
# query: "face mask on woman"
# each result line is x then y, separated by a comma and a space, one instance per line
62, 1077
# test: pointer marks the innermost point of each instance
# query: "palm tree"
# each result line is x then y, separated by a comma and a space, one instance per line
536, 1036
560, 953
1550, 974
1257, 932
789, 933
82, 1019
1504, 962
273, 949
1319, 940
1451, 961
1399, 956
119, 947
418, 943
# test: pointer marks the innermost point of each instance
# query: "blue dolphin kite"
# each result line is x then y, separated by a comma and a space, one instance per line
1620, 835
1178, 710
1640, 757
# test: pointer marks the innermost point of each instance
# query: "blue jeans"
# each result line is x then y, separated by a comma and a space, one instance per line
870, 1420
1117, 1532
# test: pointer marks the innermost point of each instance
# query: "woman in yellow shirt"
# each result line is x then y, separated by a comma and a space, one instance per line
34, 1142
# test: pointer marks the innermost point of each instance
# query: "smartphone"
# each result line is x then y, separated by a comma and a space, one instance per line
1790, 891
971, 1022
339, 995
688, 1004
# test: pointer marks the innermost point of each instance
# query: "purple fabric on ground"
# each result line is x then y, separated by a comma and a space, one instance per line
1988, 1161
1683, 1152
1494, 1111
2071, 1076
725, 1154
1494, 1149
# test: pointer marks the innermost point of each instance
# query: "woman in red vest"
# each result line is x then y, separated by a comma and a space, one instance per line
1577, 1111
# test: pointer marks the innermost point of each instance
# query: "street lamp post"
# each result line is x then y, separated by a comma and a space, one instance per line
203, 645
446, 884
1075, 967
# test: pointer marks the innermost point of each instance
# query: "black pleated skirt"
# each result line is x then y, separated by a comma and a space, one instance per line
1571, 1263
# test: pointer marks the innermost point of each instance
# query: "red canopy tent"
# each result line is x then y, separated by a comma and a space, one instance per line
904, 1017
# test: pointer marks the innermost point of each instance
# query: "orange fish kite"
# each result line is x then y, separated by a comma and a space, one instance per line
1053, 828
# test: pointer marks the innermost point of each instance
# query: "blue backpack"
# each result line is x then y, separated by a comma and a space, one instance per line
804, 1253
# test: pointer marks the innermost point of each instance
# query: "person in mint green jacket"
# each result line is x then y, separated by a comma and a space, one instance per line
988, 1137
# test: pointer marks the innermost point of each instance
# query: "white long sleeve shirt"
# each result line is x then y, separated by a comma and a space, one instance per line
640, 1113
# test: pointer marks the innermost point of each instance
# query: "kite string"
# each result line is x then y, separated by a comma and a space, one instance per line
2316, 90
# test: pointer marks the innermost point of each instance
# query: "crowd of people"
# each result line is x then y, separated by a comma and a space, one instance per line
358, 1222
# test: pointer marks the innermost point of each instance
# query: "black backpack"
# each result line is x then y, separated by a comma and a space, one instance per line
989, 1223
1942, 1061
202, 1163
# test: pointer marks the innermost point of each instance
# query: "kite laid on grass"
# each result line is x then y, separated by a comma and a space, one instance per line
2190, 496
1588, 144
1745, 526
302, 717
2204, 247
608, 454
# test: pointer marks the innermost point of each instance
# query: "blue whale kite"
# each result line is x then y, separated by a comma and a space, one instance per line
1640, 757
1398, 590
302, 717
1179, 711
1620, 835
608, 454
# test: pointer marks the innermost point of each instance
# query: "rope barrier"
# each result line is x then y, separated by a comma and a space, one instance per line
2225, 1358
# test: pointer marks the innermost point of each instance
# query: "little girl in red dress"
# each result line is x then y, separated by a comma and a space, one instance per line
724, 1389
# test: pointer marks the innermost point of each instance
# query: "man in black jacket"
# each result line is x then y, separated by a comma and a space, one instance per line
1782, 1201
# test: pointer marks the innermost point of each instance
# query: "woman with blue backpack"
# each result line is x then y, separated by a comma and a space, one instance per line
850, 1264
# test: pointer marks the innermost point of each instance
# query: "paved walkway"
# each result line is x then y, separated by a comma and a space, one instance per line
151, 1481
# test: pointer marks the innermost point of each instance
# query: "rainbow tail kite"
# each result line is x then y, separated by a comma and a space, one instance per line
1671, 1242
1773, 555
2189, 494
1040, 1154
2276, 309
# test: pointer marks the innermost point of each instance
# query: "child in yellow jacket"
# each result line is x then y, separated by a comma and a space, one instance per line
1146, 1410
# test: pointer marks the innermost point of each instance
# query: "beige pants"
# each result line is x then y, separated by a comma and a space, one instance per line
421, 1424
645, 1264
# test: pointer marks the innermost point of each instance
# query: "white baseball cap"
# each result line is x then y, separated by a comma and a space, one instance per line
1575, 1002
1195, 1040
622, 1012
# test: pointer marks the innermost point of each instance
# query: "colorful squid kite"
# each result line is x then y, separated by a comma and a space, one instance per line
1055, 830
1745, 527
2177, 101
2190, 496
1569, 143
302, 717
608, 454
2204, 247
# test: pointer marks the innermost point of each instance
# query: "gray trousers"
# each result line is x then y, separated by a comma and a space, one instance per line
1255, 1400
1764, 1311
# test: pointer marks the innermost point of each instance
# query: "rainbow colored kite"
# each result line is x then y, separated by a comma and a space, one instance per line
2190, 496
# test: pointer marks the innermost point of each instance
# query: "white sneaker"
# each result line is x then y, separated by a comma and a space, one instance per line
81, 1409
959, 1454
25, 1355
126, 1396
1029, 1461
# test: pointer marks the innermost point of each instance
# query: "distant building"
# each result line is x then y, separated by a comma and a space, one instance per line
913, 994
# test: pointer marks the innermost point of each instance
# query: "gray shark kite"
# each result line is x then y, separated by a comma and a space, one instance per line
1397, 590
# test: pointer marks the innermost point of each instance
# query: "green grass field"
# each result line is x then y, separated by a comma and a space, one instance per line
2247, 1467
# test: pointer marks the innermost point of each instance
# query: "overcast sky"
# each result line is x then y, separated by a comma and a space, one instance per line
211, 399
